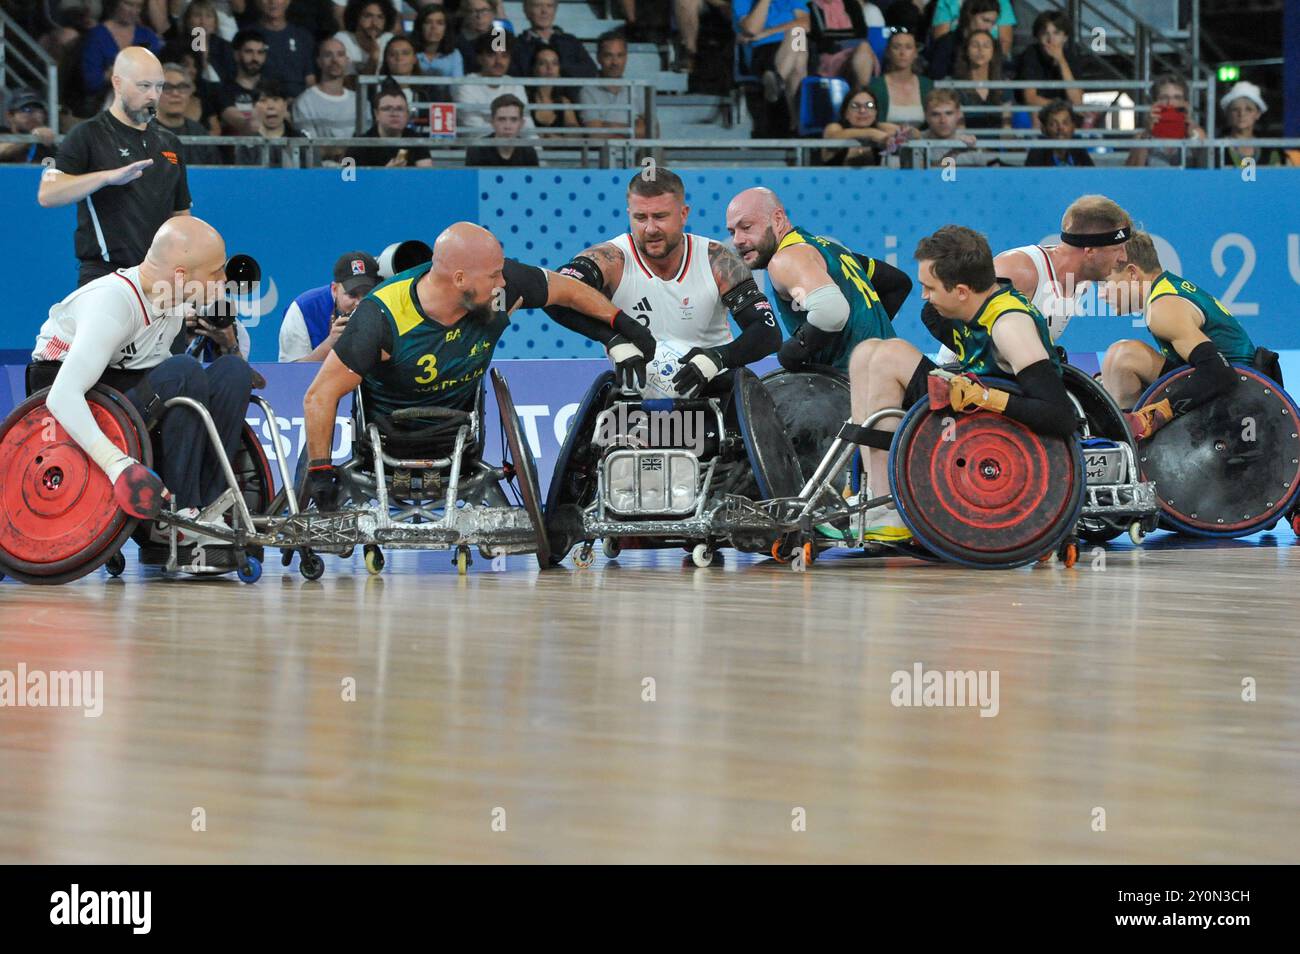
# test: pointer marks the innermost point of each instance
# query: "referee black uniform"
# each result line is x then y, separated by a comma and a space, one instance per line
116, 224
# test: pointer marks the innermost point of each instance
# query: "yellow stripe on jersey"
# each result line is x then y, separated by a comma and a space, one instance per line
997, 306
396, 297
792, 238
1162, 288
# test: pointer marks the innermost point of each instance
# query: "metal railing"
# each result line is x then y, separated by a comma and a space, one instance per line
33, 64
636, 88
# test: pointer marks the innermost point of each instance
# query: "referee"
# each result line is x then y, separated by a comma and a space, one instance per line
125, 172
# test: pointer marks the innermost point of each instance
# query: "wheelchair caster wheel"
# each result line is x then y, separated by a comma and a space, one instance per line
311, 566
611, 547
1136, 533
462, 561
1068, 554
374, 558
116, 564
286, 557
585, 556
701, 555
250, 571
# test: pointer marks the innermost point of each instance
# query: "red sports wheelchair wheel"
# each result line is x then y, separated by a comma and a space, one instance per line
58, 518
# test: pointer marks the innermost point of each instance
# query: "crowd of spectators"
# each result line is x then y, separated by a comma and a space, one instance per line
318, 69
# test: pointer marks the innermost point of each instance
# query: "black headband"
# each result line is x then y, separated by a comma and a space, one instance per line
1096, 239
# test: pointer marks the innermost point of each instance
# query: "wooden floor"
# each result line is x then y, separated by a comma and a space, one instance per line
1120, 688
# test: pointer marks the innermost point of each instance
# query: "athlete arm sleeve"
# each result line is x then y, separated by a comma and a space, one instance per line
891, 284
1211, 377
526, 282
103, 323
1045, 406
828, 309
364, 337
759, 336
584, 269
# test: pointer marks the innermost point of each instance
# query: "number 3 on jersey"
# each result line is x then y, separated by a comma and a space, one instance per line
429, 363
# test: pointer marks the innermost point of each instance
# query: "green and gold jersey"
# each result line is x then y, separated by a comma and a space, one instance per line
429, 363
867, 316
1219, 326
972, 341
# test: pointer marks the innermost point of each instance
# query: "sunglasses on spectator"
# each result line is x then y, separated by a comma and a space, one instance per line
178, 87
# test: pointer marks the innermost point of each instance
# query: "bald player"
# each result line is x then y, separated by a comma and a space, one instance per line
119, 329
1056, 278
425, 337
829, 299
125, 171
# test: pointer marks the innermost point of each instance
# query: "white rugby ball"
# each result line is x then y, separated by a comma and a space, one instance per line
661, 370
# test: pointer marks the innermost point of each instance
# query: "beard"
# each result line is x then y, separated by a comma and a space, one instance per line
670, 246
140, 115
765, 249
480, 313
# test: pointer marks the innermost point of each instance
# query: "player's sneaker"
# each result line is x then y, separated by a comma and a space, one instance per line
843, 529
884, 525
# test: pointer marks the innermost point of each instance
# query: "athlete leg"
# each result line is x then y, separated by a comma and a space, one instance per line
879, 374
230, 382
1128, 369
182, 436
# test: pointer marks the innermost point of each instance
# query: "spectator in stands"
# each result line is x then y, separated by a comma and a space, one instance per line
900, 91
507, 121
1242, 106
860, 120
392, 121
236, 97
27, 114
1168, 119
315, 319
687, 14
841, 26
910, 16
216, 59
271, 120
119, 29
173, 104
203, 106
1058, 121
435, 45
546, 65
948, 15
476, 21
611, 54
473, 102
328, 110
574, 58
1050, 58
767, 31
980, 59
290, 49
400, 63
943, 118
942, 51
367, 27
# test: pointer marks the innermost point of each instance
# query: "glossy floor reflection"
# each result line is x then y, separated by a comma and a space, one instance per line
518, 700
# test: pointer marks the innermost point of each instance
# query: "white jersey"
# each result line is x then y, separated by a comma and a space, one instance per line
687, 307
1051, 298
143, 332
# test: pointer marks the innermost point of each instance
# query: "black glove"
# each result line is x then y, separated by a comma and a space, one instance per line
625, 326
699, 367
629, 363
322, 486
797, 350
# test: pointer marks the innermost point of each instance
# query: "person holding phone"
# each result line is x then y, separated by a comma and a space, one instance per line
1168, 119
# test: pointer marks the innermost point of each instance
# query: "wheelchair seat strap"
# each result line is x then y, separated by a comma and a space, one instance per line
867, 436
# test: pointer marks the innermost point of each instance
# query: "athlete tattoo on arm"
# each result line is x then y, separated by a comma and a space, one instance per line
728, 270
610, 259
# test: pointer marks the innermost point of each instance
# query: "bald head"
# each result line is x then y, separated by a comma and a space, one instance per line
187, 254
757, 222
468, 262
137, 85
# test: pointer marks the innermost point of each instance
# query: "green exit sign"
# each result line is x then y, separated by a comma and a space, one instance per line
1229, 74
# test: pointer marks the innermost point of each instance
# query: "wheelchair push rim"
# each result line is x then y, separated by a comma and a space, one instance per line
525, 467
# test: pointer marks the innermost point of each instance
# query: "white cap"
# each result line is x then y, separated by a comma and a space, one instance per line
1244, 90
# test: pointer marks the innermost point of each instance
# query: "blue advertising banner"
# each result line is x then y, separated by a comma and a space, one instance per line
1239, 238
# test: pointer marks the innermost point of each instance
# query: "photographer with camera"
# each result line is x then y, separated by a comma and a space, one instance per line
125, 172
119, 330
1168, 120
316, 318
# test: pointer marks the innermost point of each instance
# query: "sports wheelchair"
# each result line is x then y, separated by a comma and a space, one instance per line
1230, 467
425, 488
58, 518
656, 473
